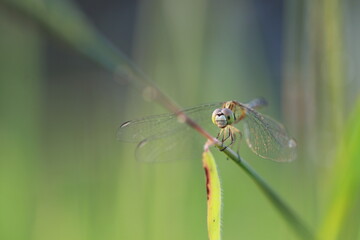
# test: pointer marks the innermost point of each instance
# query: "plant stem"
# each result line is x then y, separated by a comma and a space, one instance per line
292, 219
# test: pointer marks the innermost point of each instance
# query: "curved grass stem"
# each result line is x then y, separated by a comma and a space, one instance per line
292, 219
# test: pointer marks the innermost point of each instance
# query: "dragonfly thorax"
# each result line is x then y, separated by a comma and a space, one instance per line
222, 117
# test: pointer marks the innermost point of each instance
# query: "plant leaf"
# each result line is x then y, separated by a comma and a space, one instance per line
346, 184
213, 188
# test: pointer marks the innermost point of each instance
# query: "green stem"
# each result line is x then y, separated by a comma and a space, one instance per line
292, 219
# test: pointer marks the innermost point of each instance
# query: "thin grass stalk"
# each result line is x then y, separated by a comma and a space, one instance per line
285, 211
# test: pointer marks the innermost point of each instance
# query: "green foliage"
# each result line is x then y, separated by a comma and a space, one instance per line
340, 220
63, 176
213, 190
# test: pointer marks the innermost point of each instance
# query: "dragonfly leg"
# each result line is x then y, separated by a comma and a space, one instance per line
223, 148
219, 136
233, 139
239, 142
223, 139
238, 145
229, 135
233, 136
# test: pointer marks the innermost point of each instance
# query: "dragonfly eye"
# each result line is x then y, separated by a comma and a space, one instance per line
222, 117
218, 118
229, 115
215, 114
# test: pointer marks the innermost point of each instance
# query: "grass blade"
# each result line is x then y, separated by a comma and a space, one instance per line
213, 189
346, 185
291, 218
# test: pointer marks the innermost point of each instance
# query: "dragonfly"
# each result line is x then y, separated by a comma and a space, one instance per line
160, 134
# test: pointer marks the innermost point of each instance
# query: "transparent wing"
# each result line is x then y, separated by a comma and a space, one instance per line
266, 137
181, 145
158, 136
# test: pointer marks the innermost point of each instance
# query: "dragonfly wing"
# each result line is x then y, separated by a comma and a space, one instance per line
157, 135
178, 145
159, 126
148, 127
266, 137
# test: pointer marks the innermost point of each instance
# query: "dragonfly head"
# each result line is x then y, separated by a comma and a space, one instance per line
222, 117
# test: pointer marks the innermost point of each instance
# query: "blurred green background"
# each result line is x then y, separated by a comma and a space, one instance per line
63, 175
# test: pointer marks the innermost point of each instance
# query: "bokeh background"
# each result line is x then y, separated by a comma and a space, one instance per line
63, 175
